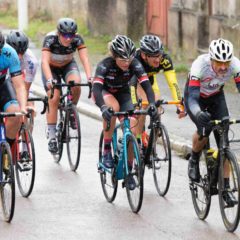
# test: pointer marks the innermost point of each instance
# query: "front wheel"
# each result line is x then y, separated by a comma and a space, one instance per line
134, 174
161, 159
7, 183
108, 179
200, 192
25, 162
73, 138
229, 168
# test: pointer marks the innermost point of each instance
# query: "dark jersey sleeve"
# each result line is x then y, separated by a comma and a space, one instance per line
79, 42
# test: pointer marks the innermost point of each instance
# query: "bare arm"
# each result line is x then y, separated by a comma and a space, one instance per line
19, 86
83, 55
46, 64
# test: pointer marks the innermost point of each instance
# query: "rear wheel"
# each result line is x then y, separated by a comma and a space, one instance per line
134, 178
230, 213
7, 184
73, 138
161, 159
108, 179
25, 162
200, 192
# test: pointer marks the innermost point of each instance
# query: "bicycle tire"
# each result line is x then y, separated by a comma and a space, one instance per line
200, 192
71, 135
108, 180
230, 219
161, 159
135, 196
60, 132
25, 168
7, 187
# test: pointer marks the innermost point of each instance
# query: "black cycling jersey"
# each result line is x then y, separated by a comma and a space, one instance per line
166, 64
110, 77
61, 54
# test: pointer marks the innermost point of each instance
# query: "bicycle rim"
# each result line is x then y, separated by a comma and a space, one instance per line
7, 187
135, 196
161, 160
200, 192
73, 139
230, 215
25, 168
60, 132
109, 182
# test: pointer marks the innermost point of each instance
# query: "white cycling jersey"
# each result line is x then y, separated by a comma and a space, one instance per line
210, 82
29, 64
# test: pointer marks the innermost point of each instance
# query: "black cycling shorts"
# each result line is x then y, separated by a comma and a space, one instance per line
215, 105
60, 73
124, 99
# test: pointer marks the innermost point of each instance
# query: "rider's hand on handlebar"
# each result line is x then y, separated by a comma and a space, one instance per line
203, 118
181, 111
50, 82
106, 112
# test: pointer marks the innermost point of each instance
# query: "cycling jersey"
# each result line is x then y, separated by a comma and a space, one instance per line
110, 77
29, 66
61, 55
203, 82
166, 65
9, 62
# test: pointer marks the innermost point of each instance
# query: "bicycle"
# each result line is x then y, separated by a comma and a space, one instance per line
23, 153
122, 147
212, 178
7, 178
156, 150
66, 133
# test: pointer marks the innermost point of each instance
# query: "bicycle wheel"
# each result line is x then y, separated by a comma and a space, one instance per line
73, 138
230, 214
200, 192
108, 179
7, 186
135, 173
61, 133
161, 159
25, 162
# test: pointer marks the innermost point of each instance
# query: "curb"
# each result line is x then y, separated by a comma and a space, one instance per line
178, 144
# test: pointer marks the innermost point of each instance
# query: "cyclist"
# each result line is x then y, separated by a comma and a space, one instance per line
29, 63
13, 97
111, 87
58, 63
155, 60
205, 100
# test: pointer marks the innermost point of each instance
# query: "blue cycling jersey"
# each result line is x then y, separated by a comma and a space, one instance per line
9, 61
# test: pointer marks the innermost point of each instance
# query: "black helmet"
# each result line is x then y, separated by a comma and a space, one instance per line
2, 40
67, 25
151, 45
18, 40
123, 47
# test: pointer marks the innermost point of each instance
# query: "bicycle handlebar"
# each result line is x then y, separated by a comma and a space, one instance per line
44, 100
70, 85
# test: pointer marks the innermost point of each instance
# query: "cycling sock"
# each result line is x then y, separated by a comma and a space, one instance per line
51, 131
107, 145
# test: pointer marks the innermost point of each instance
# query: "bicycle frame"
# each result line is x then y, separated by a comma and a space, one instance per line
2, 139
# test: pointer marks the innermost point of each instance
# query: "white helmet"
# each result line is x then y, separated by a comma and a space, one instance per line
221, 50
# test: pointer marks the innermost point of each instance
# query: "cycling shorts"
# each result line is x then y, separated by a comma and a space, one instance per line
60, 73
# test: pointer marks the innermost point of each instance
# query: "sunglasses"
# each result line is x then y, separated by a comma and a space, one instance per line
219, 63
154, 56
127, 60
68, 35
